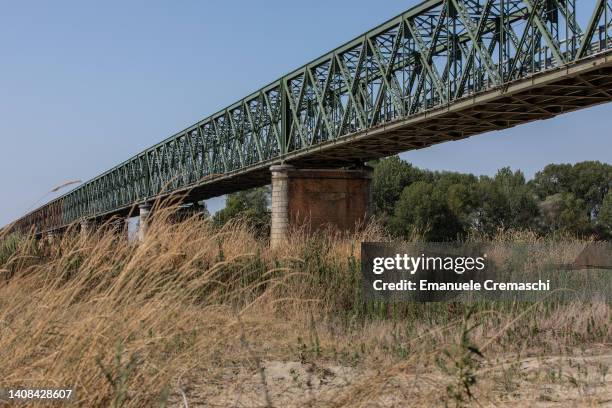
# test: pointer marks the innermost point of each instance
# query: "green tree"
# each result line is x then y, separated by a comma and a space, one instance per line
604, 220
462, 200
251, 205
592, 181
391, 176
553, 179
460, 191
563, 212
588, 181
423, 209
506, 201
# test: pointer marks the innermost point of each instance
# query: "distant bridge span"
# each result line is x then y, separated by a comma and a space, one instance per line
443, 70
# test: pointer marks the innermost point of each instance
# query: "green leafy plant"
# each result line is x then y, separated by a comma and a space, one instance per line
461, 361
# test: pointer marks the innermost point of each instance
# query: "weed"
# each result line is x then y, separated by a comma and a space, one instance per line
461, 363
166, 309
118, 375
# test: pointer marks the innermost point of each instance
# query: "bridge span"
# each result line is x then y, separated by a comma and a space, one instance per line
443, 70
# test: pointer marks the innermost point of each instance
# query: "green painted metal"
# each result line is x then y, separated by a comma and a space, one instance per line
430, 56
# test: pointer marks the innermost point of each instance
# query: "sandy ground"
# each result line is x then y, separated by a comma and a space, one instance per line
557, 381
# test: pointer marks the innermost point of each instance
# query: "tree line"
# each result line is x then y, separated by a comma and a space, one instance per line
444, 206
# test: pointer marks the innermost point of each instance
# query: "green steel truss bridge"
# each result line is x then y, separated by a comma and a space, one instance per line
443, 70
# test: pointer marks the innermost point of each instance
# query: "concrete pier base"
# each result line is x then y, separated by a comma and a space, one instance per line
85, 229
280, 203
51, 237
143, 220
318, 198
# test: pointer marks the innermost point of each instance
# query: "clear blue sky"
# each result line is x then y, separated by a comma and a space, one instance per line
85, 85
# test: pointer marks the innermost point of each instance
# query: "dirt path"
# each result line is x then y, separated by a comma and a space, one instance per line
556, 381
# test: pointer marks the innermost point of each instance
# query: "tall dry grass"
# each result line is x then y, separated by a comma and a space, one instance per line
138, 324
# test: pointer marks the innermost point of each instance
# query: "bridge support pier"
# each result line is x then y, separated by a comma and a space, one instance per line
51, 237
143, 220
318, 198
85, 228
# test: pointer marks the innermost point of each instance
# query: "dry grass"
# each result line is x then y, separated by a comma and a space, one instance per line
197, 316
